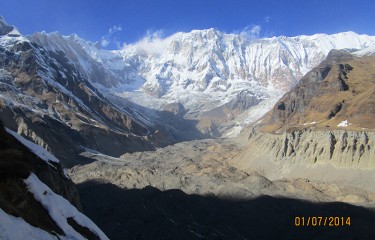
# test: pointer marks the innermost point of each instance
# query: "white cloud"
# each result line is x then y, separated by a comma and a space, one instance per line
251, 32
114, 29
111, 36
152, 43
268, 34
267, 19
104, 42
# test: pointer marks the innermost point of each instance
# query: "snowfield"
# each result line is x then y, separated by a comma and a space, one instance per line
12, 228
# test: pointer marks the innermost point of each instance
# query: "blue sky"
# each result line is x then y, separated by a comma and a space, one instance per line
115, 22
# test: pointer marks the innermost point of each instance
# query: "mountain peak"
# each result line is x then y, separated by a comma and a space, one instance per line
4, 27
2, 21
57, 39
210, 33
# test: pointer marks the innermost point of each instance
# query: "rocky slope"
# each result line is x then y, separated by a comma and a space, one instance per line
37, 200
337, 94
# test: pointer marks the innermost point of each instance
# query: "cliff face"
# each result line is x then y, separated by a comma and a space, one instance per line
17, 162
340, 148
32, 187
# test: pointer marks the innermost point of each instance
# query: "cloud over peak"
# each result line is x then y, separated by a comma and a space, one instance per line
250, 32
114, 29
111, 36
152, 43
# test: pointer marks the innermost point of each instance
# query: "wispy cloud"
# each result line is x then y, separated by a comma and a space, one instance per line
268, 34
111, 36
267, 19
115, 29
250, 32
104, 42
153, 42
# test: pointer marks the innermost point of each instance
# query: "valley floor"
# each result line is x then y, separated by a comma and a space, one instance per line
192, 190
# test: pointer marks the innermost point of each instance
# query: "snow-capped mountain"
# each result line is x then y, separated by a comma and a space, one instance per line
218, 66
87, 57
212, 74
202, 69
204, 79
46, 97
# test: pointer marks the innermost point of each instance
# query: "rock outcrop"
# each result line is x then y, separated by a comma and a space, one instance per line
340, 148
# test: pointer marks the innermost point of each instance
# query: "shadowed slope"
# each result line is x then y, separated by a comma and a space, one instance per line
152, 214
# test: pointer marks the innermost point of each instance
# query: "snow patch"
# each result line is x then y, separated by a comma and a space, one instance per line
16, 228
60, 209
36, 149
66, 170
311, 123
344, 123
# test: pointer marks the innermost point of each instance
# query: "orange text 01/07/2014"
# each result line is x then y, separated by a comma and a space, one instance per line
321, 221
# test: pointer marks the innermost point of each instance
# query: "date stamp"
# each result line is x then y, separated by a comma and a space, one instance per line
320, 221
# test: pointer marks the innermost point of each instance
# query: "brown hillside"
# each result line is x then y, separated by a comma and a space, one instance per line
338, 94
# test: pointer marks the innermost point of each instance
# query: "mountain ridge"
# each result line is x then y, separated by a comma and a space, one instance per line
46, 98
204, 70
